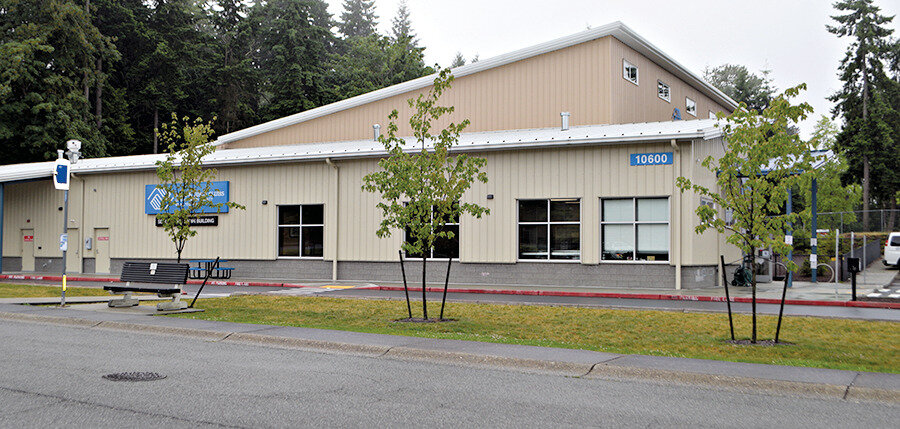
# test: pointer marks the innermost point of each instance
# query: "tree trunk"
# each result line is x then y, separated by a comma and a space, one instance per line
424, 303
865, 193
865, 115
155, 131
753, 289
98, 94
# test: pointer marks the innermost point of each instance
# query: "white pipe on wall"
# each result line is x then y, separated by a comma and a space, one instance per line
676, 221
337, 205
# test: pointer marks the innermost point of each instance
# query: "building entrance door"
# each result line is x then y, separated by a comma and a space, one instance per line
73, 255
101, 250
27, 249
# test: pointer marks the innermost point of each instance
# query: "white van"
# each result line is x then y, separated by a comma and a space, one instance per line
892, 250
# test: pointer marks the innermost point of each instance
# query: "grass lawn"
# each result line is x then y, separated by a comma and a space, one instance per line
8, 290
825, 343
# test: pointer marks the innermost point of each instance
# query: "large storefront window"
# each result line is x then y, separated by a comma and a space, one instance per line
301, 230
443, 247
550, 229
635, 229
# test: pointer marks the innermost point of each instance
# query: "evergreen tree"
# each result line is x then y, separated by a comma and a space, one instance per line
358, 19
235, 75
406, 58
458, 60
864, 100
297, 40
742, 85
48, 53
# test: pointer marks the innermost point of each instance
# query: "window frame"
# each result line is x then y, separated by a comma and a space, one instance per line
637, 72
668, 97
687, 106
549, 223
634, 223
458, 222
301, 225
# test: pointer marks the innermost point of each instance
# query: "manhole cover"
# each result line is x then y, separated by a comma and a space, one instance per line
134, 376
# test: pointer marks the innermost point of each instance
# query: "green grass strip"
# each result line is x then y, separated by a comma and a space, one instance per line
825, 343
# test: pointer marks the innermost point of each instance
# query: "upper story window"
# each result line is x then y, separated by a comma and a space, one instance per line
301, 230
690, 106
662, 90
630, 72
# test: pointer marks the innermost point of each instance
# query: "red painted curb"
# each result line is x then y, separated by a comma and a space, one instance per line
116, 280
864, 304
860, 304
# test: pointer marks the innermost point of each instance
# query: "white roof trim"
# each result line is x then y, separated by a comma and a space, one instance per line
587, 135
616, 29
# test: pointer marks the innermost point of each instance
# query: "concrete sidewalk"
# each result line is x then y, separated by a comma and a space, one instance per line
876, 276
850, 385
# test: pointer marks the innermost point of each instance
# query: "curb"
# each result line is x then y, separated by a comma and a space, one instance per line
652, 296
863, 304
602, 369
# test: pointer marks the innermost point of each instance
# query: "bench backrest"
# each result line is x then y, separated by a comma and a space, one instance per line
155, 272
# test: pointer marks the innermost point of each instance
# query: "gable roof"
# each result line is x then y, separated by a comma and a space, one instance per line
616, 29
586, 135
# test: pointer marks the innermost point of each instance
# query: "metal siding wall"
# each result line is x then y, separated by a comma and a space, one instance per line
640, 103
527, 94
589, 173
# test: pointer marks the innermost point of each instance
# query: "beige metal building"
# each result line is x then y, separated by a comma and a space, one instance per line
588, 203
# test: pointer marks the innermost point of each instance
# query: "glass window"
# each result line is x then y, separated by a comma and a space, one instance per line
630, 72
301, 236
635, 229
662, 90
550, 229
690, 106
442, 247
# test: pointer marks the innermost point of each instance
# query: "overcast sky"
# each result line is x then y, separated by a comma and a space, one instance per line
787, 37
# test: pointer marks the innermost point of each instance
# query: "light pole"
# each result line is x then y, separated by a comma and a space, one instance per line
61, 175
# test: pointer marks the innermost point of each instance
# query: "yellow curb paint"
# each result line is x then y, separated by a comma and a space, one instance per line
337, 287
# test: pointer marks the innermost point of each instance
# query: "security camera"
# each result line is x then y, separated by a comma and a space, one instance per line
73, 145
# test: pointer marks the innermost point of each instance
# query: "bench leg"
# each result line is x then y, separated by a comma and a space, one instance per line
127, 301
175, 304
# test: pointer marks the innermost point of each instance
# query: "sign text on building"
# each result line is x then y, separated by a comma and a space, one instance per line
153, 198
196, 221
660, 158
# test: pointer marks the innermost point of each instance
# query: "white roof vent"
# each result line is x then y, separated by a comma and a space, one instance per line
565, 120
376, 132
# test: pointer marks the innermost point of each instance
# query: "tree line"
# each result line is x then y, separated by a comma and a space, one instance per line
109, 72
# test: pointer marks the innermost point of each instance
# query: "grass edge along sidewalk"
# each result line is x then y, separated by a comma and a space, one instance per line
627, 295
822, 343
17, 290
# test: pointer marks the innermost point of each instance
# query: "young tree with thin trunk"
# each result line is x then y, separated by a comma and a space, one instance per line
422, 184
186, 185
761, 160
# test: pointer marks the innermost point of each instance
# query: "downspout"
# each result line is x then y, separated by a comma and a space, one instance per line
337, 205
676, 197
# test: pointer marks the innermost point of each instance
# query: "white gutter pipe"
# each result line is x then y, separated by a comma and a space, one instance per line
337, 205
676, 217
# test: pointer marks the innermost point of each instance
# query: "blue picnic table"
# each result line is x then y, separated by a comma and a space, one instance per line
205, 266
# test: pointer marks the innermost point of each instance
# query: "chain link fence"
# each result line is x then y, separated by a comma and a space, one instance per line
879, 221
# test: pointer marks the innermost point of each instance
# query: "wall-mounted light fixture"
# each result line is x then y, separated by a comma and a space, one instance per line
264, 202
490, 196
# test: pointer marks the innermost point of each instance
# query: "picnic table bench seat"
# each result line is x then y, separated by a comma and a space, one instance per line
149, 277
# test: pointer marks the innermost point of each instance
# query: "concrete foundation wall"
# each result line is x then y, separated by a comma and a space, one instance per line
622, 276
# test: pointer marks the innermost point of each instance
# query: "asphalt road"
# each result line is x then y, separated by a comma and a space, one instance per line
51, 377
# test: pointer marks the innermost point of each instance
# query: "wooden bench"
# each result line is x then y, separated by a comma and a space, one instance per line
142, 276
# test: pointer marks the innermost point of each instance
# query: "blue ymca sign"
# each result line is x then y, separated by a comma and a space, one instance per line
660, 158
153, 197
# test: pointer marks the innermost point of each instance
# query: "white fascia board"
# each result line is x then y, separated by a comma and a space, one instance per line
616, 29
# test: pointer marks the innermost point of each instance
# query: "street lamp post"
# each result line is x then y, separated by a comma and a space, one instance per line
61, 181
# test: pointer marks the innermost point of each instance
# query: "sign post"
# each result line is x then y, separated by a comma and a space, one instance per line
61, 176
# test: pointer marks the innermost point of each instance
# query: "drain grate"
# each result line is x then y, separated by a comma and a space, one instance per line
134, 376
